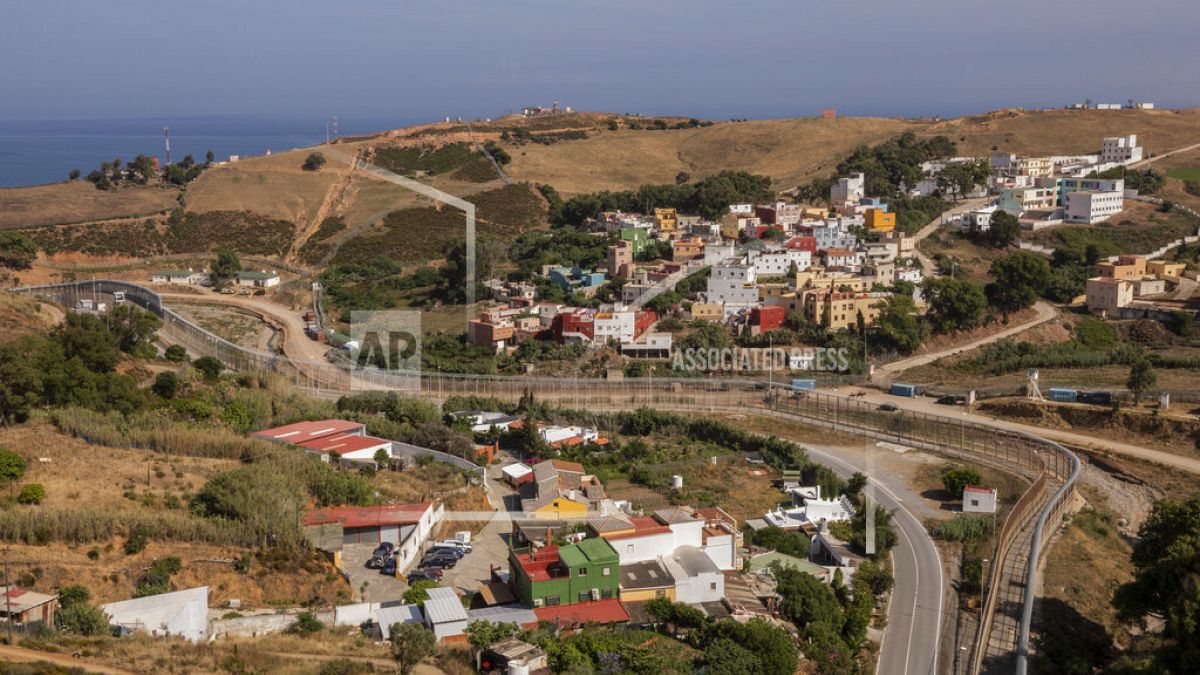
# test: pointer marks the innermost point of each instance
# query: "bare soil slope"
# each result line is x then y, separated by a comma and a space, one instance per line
79, 201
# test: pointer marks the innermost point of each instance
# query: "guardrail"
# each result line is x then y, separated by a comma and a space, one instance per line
1001, 448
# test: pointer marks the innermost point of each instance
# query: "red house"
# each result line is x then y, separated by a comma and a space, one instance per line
767, 318
802, 243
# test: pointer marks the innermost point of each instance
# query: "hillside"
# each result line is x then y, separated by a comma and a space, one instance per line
574, 153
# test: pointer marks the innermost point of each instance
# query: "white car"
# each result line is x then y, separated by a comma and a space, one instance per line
463, 546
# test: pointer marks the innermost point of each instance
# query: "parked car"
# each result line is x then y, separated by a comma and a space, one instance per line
389, 566
887, 407
431, 574
377, 561
451, 550
384, 549
443, 560
453, 543
948, 399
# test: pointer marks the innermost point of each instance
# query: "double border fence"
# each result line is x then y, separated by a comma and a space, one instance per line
1052, 468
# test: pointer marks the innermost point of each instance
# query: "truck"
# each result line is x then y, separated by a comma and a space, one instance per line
1096, 397
906, 390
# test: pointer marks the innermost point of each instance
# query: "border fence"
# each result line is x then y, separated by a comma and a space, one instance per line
1003, 639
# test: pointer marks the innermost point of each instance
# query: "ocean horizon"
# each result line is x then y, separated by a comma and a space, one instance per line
40, 151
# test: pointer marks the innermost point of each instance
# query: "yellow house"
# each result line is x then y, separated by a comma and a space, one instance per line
687, 248
1164, 268
667, 219
1126, 267
772, 289
707, 311
558, 508
880, 220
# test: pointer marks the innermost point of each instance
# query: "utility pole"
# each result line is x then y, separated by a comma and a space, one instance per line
7, 603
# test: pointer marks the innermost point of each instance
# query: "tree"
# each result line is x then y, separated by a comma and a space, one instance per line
176, 353
314, 162
1141, 378
225, 267
726, 657
1166, 582
68, 595
81, 618
772, 645
12, 465
1018, 280
1004, 229
382, 459
32, 493
898, 325
483, 633
955, 478
17, 250
954, 304
410, 644
856, 483
209, 366
209, 157
418, 592
74, 175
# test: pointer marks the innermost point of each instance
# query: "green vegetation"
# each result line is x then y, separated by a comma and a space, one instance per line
1004, 229
1145, 182
1007, 356
1109, 239
1019, 279
789, 542
17, 250
76, 615
954, 304
314, 162
1190, 174
418, 593
456, 159
157, 579
710, 197
182, 232
33, 493
963, 528
1167, 569
306, 624
956, 478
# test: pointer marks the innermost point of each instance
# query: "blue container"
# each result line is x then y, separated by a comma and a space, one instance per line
909, 390
1096, 397
804, 385
1063, 395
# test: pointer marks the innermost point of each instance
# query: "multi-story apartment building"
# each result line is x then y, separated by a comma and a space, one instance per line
1120, 150
839, 309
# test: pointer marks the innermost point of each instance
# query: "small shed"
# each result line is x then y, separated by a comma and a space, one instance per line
390, 615
979, 499
517, 474
445, 614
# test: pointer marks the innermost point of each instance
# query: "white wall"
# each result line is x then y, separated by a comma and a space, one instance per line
641, 549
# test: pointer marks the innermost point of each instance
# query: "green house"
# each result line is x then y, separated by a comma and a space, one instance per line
566, 575
637, 236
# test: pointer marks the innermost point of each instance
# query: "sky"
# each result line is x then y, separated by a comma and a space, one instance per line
419, 59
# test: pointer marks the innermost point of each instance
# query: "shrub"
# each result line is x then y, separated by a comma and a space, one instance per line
166, 384
33, 493
956, 478
963, 528
306, 624
314, 162
81, 618
208, 366
176, 353
12, 465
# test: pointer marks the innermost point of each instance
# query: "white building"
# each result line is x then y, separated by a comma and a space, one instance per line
1093, 207
777, 263
178, 277
697, 577
848, 190
181, 613
263, 279
1120, 150
979, 220
978, 499
618, 324
735, 286
742, 209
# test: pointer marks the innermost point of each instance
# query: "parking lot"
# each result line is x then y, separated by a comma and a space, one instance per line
380, 588
490, 546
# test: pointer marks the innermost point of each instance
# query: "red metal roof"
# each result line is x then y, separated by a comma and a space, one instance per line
978, 488
563, 465
600, 611
343, 443
643, 526
300, 432
368, 516
538, 562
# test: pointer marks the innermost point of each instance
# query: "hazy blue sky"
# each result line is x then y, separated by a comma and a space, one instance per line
416, 59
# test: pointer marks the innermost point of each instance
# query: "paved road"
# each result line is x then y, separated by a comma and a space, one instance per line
1045, 312
910, 641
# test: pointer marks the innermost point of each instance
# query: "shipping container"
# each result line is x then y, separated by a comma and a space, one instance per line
804, 385
1096, 397
909, 390
1062, 395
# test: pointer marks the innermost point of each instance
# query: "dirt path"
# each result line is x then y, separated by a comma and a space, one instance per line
334, 198
296, 344
53, 312
1154, 159
1045, 312
22, 655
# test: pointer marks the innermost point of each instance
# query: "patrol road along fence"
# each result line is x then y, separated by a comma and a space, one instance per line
1048, 464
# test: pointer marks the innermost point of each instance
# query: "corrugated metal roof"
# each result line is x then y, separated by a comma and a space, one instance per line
522, 616
443, 606
386, 616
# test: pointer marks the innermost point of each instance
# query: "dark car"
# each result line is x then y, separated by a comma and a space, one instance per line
431, 574
389, 567
948, 399
439, 560
443, 550
384, 549
887, 407
376, 561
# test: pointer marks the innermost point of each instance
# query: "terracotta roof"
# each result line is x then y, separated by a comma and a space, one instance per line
563, 465
369, 516
599, 611
979, 488
343, 443
299, 432
643, 526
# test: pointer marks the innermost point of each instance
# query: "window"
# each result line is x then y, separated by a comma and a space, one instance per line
660, 594
606, 593
607, 571
553, 600
583, 571
585, 596
712, 586
974, 502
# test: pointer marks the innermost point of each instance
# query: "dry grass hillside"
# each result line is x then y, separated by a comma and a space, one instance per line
1068, 131
79, 201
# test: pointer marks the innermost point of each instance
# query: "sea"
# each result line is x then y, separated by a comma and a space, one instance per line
34, 152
